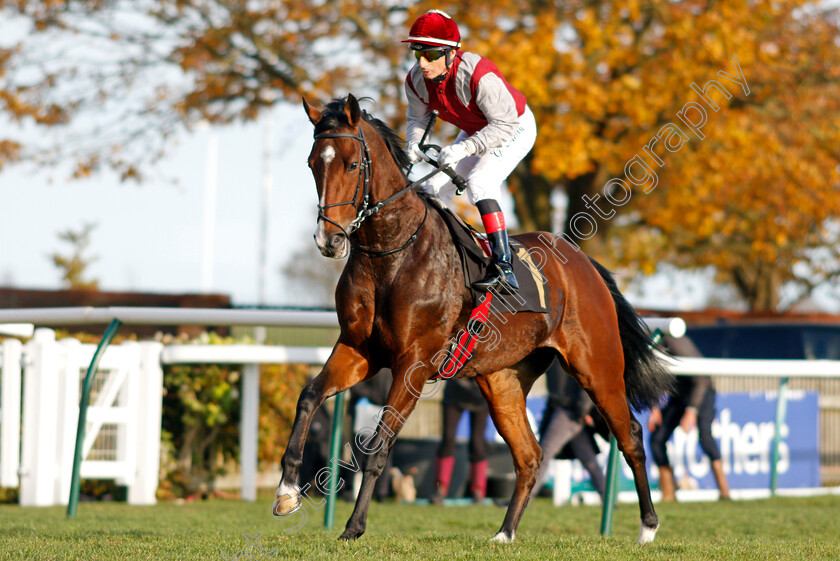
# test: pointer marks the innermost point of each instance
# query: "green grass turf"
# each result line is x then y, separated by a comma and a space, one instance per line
781, 528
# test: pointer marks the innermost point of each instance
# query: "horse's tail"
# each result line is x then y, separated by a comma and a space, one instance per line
646, 379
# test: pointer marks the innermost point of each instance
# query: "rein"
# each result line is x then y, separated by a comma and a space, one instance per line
364, 185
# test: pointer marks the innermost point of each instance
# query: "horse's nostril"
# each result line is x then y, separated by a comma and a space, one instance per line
336, 240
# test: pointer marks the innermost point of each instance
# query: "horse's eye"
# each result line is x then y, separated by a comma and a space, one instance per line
353, 166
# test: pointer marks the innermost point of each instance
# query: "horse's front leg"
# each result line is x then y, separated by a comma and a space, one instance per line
402, 397
345, 368
505, 396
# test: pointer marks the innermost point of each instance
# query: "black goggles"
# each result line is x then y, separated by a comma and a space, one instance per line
431, 55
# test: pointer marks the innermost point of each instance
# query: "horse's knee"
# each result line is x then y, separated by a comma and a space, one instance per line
528, 468
308, 400
375, 463
636, 430
636, 435
533, 473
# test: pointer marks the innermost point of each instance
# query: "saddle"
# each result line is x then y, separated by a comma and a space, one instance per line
474, 251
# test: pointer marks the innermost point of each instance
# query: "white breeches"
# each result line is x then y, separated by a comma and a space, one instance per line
485, 174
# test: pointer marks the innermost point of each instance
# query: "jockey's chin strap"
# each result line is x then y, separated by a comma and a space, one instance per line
364, 186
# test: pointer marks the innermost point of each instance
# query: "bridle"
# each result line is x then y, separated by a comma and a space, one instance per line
365, 210
363, 184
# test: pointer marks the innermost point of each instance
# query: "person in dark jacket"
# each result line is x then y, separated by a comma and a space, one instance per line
691, 404
459, 395
374, 390
569, 422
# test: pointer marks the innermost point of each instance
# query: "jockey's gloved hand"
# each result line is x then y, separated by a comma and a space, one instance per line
414, 153
453, 154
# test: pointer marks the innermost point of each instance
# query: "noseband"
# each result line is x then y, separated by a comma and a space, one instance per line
364, 186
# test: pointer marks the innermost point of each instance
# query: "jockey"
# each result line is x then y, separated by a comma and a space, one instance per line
497, 128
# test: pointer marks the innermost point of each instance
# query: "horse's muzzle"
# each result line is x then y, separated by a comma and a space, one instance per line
333, 245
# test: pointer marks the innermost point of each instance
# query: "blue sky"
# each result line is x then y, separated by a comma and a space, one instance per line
149, 236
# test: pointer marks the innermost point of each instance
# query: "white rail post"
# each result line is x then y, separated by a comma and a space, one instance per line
40, 421
70, 374
149, 410
249, 430
10, 411
129, 399
561, 471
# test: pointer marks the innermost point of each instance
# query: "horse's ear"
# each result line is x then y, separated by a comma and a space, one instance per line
351, 109
314, 114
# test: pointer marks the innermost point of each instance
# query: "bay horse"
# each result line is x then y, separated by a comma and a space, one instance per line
401, 299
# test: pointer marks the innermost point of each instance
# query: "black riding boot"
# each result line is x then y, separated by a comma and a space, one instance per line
499, 275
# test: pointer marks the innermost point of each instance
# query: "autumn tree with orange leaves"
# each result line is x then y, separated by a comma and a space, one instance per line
753, 192
754, 196
128, 75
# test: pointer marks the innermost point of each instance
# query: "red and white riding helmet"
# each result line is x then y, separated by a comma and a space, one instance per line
434, 29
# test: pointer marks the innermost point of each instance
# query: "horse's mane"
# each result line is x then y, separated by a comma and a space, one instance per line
333, 117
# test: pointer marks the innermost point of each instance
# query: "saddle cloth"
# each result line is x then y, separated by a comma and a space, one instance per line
475, 259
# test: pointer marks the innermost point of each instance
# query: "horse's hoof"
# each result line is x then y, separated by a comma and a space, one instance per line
286, 504
502, 537
646, 534
347, 536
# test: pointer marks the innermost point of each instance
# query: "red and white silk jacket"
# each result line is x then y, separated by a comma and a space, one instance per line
474, 97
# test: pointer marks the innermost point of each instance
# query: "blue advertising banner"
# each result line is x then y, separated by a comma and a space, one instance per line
743, 428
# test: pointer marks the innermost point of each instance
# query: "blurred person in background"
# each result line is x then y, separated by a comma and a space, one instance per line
692, 404
366, 400
459, 395
568, 426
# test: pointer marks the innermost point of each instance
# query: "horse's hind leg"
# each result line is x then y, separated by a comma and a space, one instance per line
630, 442
612, 402
503, 392
345, 368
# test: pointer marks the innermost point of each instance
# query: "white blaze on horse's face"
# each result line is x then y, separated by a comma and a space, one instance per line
328, 155
322, 239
